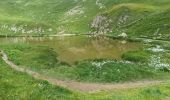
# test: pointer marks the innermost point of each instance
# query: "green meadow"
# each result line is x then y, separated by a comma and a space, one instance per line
114, 42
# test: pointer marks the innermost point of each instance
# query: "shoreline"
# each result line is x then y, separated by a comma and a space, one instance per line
132, 39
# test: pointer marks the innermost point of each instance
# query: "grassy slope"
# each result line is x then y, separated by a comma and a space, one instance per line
142, 19
51, 14
145, 17
16, 85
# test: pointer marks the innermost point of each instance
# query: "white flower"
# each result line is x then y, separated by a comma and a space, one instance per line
157, 49
155, 62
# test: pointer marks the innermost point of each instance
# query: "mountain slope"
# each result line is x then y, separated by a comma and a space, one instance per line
134, 17
140, 20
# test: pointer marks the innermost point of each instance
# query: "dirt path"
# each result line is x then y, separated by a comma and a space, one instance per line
86, 87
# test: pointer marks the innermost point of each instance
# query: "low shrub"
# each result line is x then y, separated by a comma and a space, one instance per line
136, 56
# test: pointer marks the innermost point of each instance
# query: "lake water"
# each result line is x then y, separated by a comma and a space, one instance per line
76, 48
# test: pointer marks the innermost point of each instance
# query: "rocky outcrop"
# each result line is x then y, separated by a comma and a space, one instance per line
101, 25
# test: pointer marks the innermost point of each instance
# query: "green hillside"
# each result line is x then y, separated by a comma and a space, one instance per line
139, 19
134, 17
120, 49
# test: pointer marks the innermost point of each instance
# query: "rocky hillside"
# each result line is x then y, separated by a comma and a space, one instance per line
138, 18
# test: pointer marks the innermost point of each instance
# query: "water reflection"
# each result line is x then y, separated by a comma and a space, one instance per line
74, 48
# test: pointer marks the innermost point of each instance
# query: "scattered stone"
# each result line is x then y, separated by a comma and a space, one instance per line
100, 5
123, 35
74, 11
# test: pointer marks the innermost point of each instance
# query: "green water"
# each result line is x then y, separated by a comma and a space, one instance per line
76, 48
